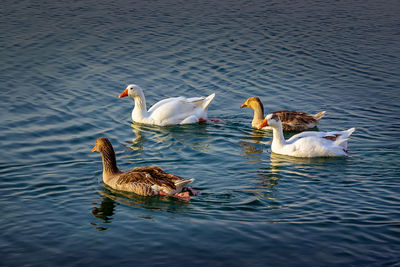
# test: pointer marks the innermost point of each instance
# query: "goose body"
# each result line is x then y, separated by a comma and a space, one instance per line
170, 111
307, 144
291, 120
144, 181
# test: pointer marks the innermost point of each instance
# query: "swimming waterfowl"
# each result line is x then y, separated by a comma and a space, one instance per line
170, 111
144, 181
291, 120
307, 144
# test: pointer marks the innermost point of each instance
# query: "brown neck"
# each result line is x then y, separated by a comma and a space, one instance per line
109, 161
258, 114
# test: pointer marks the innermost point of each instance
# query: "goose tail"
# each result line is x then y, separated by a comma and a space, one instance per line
342, 140
349, 131
207, 101
319, 115
182, 183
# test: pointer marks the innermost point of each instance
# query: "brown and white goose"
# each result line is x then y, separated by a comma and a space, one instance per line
144, 181
307, 144
291, 120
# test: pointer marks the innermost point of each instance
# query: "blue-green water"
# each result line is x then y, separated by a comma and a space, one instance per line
63, 66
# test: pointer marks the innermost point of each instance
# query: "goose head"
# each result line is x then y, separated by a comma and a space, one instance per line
253, 103
272, 120
132, 90
102, 144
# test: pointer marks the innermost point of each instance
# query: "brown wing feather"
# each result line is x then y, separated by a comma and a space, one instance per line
146, 168
140, 189
148, 175
295, 120
158, 173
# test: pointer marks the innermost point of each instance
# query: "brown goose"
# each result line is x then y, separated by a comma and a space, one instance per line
144, 181
291, 120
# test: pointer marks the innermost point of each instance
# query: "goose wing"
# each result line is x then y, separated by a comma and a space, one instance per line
176, 110
163, 102
296, 120
158, 173
332, 136
148, 175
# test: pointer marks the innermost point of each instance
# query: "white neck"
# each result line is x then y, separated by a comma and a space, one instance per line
140, 109
278, 140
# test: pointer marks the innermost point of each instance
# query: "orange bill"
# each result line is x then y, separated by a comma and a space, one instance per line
124, 93
263, 124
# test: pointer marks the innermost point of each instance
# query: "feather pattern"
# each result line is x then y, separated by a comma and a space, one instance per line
291, 120
145, 181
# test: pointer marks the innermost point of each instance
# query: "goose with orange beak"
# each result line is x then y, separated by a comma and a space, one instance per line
291, 120
307, 144
170, 111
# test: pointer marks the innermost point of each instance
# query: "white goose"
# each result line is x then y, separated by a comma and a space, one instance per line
307, 144
170, 111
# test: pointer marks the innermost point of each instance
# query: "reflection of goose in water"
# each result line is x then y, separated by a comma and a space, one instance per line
281, 164
104, 212
252, 146
269, 180
194, 136
139, 139
111, 198
286, 167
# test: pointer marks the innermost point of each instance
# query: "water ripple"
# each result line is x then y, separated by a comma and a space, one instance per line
65, 65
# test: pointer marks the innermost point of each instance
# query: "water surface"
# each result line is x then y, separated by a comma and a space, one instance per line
64, 65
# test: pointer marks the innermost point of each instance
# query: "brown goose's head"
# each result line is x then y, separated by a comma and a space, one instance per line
253, 103
102, 145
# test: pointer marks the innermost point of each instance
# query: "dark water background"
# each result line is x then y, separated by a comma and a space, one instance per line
63, 65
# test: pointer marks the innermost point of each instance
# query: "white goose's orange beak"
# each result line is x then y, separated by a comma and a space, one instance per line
263, 124
94, 149
124, 93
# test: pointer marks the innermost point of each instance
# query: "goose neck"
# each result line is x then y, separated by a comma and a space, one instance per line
258, 114
109, 163
140, 109
278, 138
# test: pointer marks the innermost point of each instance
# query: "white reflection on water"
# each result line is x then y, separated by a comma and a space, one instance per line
194, 136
